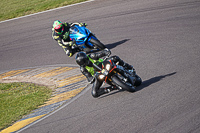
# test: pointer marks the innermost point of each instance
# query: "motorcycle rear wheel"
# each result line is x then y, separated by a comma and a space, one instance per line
138, 81
120, 83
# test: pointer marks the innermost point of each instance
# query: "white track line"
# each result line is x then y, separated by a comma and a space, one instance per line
47, 11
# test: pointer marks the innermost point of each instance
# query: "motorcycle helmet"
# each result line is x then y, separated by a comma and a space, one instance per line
82, 59
58, 26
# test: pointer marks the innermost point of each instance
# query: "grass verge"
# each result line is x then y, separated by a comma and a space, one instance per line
19, 99
16, 8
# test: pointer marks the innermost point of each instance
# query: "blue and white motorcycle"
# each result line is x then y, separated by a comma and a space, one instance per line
84, 39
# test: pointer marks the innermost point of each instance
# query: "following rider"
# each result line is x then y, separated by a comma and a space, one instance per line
87, 69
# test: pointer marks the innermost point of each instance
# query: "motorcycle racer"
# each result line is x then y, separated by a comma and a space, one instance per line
86, 66
60, 33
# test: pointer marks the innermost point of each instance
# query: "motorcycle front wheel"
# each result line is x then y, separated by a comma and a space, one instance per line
97, 43
118, 82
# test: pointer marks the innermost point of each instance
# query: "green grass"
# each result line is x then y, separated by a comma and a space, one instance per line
16, 8
19, 99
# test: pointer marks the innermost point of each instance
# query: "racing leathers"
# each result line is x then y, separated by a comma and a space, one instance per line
64, 40
89, 71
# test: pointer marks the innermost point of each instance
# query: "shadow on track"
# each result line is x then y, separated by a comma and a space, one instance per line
153, 80
113, 45
144, 84
110, 46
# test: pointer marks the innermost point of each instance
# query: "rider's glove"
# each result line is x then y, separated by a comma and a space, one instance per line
71, 52
83, 24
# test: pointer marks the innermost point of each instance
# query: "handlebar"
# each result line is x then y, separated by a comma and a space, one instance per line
97, 67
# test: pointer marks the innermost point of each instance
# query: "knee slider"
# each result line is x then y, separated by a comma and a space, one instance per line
94, 94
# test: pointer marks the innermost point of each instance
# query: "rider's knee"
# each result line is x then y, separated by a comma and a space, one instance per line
94, 94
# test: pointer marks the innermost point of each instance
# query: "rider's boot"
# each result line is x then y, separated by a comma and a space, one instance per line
129, 68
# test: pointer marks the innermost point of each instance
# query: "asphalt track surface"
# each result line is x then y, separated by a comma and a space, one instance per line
160, 38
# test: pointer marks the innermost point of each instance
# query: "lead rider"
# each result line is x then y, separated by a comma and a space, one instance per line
60, 33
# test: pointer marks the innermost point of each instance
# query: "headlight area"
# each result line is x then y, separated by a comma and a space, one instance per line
108, 66
101, 76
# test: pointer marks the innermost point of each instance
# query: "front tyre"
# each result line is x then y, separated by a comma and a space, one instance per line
120, 83
97, 44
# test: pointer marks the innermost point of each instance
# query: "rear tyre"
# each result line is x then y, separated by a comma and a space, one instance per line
98, 44
138, 81
120, 83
